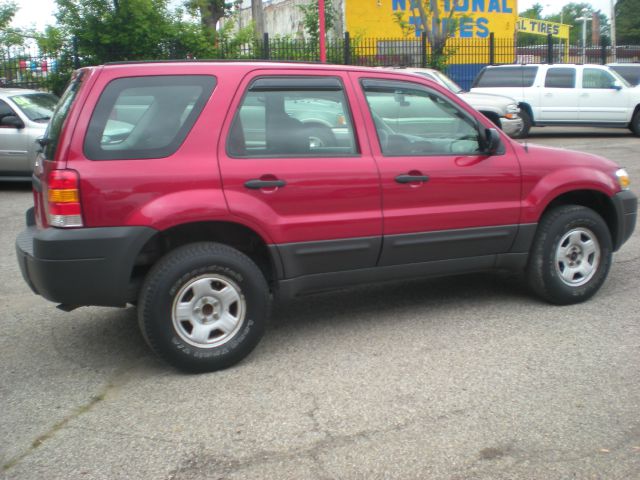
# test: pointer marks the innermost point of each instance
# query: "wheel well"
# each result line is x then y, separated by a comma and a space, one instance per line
492, 116
596, 201
635, 112
527, 108
232, 234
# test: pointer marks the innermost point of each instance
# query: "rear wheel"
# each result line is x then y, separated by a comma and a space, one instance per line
571, 255
203, 307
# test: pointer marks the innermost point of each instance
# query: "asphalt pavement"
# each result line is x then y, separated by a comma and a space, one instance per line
460, 378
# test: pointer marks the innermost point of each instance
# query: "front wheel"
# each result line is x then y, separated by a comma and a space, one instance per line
203, 307
571, 255
526, 125
635, 124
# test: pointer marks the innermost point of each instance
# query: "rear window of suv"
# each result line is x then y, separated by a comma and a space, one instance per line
506, 77
145, 117
54, 129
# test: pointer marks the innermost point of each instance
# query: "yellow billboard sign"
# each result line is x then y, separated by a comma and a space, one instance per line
477, 18
542, 27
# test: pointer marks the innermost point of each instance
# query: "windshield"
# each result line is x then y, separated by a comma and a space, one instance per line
620, 78
37, 106
450, 84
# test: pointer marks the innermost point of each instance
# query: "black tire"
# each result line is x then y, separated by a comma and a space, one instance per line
192, 290
635, 124
571, 255
526, 124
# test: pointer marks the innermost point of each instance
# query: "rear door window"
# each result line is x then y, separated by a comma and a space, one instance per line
507, 77
146, 117
293, 117
560, 78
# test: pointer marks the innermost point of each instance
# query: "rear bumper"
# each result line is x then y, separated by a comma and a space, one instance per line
626, 205
88, 266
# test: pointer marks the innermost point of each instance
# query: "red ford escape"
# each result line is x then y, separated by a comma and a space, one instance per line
198, 191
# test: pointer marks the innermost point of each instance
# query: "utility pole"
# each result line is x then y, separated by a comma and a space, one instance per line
323, 31
584, 18
613, 30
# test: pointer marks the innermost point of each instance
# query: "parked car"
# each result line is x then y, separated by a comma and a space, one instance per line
24, 115
215, 199
501, 110
578, 95
629, 71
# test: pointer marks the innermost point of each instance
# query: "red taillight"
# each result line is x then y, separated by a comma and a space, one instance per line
63, 199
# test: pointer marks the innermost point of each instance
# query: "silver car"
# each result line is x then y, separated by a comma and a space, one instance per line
24, 115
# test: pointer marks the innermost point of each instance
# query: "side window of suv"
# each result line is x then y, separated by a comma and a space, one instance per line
292, 116
411, 120
145, 117
506, 77
560, 78
596, 78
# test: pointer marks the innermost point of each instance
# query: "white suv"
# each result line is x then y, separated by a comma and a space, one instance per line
581, 95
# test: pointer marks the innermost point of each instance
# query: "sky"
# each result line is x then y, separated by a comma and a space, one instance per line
39, 13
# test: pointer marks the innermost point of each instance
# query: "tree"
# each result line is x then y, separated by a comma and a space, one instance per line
117, 29
535, 12
311, 21
568, 15
9, 36
211, 11
627, 22
258, 17
571, 12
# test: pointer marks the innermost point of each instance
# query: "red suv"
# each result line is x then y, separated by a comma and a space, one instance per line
198, 191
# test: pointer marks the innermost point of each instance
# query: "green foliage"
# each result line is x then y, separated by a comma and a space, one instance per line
51, 41
568, 15
439, 26
406, 28
122, 30
534, 12
211, 11
311, 21
627, 22
9, 36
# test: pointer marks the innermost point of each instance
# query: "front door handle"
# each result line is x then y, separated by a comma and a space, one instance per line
257, 184
412, 178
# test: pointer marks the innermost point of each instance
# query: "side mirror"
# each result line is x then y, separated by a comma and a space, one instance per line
617, 85
11, 121
490, 141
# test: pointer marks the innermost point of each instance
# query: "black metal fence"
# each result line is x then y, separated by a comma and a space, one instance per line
463, 57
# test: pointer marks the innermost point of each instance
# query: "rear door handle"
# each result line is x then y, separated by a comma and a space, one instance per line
257, 184
412, 178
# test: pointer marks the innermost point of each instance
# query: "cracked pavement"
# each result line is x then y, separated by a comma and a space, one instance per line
458, 378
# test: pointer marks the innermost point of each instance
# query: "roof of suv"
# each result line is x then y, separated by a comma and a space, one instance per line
5, 92
245, 65
550, 65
